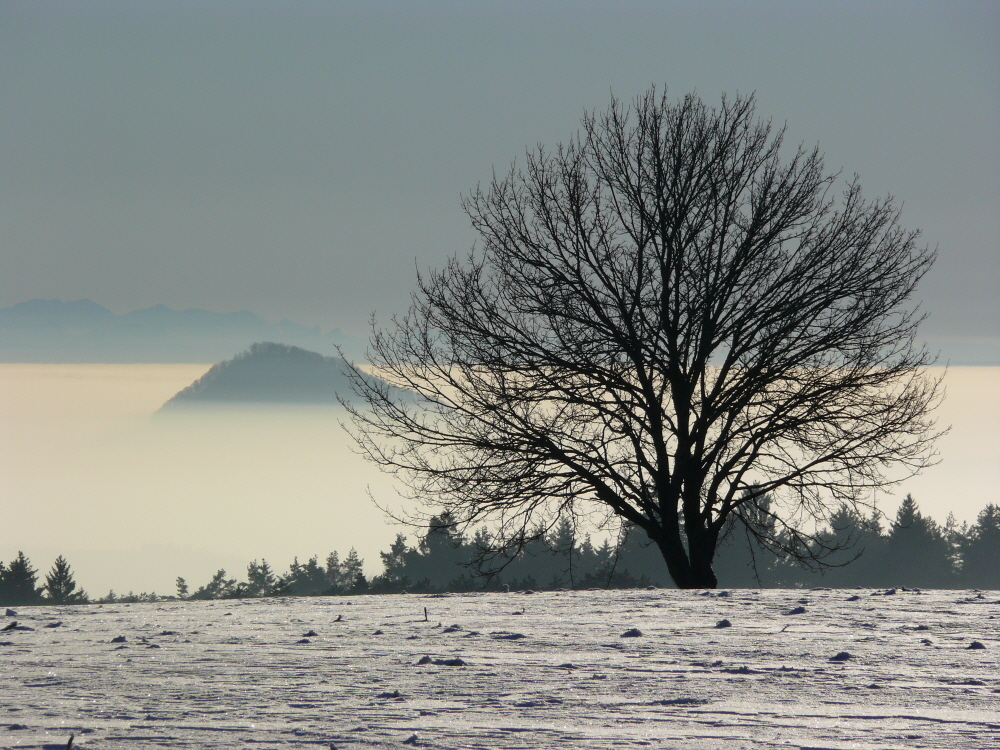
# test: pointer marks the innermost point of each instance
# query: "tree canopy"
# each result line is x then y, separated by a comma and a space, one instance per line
666, 320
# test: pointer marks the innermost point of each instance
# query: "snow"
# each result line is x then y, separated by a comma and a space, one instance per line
239, 674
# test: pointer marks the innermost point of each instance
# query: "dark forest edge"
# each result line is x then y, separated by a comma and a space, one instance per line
912, 551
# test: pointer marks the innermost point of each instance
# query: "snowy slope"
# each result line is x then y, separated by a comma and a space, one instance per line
540, 671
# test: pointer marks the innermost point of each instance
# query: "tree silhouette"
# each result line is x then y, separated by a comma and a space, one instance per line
396, 566
60, 588
981, 551
261, 580
352, 573
742, 559
916, 552
219, 587
305, 580
18, 582
664, 321
335, 574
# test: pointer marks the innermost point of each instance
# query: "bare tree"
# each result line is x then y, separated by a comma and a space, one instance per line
665, 323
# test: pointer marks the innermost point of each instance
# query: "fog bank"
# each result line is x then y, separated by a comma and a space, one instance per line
134, 500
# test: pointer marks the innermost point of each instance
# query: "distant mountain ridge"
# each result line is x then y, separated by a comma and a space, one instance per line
84, 331
269, 373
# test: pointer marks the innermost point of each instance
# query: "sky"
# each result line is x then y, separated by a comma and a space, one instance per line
302, 160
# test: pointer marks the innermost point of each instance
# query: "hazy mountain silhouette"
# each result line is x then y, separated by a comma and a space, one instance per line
269, 373
83, 331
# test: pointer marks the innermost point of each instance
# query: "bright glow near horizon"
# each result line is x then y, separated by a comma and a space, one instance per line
134, 501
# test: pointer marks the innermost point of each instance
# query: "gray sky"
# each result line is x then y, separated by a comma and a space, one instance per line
298, 159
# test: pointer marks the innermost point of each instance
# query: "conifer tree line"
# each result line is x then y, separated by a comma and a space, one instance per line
913, 550
19, 584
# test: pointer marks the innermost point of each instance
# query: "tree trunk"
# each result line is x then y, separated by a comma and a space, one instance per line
703, 577
687, 573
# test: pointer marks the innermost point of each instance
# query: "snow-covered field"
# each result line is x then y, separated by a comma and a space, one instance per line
544, 670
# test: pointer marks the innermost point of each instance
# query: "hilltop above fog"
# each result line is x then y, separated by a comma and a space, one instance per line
53, 331
269, 373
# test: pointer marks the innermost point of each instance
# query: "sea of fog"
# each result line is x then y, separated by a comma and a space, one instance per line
134, 499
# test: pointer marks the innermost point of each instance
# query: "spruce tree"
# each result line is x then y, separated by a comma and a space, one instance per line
353, 573
18, 582
981, 551
334, 576
916, 552
60, 588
